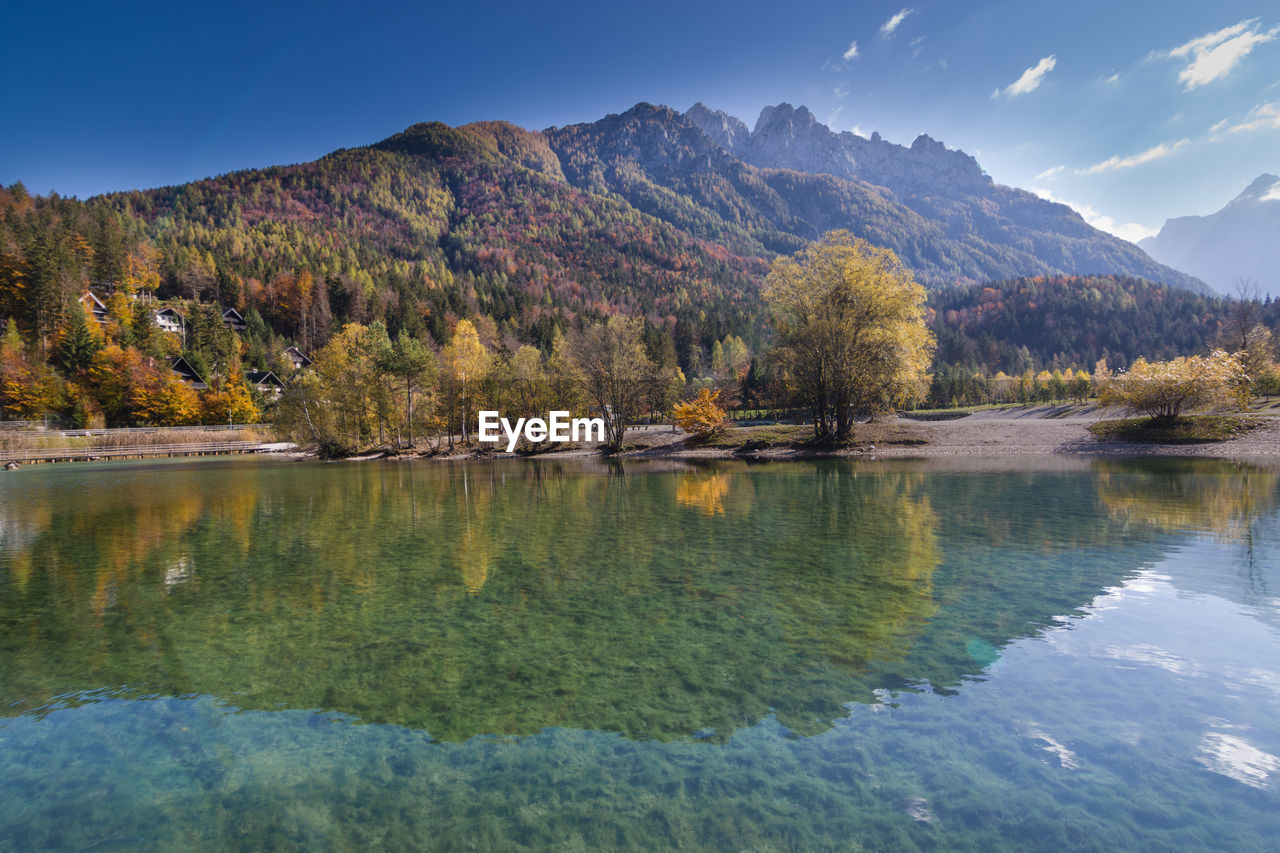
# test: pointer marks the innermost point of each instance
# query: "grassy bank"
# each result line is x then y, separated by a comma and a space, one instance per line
796, 437
1192, 429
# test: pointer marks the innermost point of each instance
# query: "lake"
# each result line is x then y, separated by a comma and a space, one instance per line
246, 654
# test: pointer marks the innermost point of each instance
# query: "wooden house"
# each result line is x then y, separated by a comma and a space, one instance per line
170, 320
231, 317
95, 305
296, 358
184, 371
267, 383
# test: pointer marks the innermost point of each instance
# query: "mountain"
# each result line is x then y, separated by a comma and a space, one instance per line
1239, 243
673, 217
983, 230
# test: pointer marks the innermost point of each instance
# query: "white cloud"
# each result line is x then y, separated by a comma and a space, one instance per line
1272, 194
852, 52
1261, 117
1112, 80
1117, 162
858, 131
1030, 79
840, 91
1217, 126
1214, 55
1050, 173
1131, 231
896, 21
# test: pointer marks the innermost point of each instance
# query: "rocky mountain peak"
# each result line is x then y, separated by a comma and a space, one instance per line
792, 177
729, 132
787, 137
1265, 187
783, 118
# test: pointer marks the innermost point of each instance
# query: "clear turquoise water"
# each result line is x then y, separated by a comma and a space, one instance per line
803, 656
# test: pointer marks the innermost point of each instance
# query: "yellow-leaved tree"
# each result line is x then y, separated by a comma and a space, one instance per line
702, 415
851, 328
466, 362
1166, 389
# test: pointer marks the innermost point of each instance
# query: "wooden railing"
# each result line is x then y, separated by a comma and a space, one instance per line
89, 454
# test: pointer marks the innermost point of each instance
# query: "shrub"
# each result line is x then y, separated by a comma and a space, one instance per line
702, 415
1166, 389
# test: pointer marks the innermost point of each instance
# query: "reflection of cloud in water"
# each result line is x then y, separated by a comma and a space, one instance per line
1147, 653
1066, 757
1143, 584
1237, 759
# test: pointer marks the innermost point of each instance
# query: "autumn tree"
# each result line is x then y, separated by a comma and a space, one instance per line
135, 390
229, 403
466, 362
142, 271
851, 329
1166, 389
333, 408
614, 372
702, 415
29, 388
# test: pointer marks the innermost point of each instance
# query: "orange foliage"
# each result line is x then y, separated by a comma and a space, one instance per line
702, 415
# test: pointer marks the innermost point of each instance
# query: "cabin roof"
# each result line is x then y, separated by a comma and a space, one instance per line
183, 368
297, 355
263, 377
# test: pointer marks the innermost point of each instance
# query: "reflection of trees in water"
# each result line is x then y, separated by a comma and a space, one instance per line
704, 492
503, 600
1202, 496
506, 598
1227, 500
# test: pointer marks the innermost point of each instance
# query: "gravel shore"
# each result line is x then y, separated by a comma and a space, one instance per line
988, 434
1019, 432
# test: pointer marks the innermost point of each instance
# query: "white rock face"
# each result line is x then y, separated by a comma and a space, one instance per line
789, 138
729, 132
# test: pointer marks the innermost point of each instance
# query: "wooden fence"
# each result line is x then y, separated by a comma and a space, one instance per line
93, 454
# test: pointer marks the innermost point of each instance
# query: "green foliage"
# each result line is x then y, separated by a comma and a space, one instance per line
1191, 429
78, 344
1059, 321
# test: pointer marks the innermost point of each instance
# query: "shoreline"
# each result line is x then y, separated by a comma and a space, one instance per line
1046, 431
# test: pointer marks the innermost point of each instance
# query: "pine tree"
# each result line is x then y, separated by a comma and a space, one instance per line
78, 344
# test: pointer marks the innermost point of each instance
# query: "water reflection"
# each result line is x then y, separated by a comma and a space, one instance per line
1201, 495
666, 602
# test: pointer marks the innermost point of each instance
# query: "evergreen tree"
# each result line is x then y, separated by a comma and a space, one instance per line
78, 344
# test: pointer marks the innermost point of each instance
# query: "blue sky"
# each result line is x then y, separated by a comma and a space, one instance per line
1131, 112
